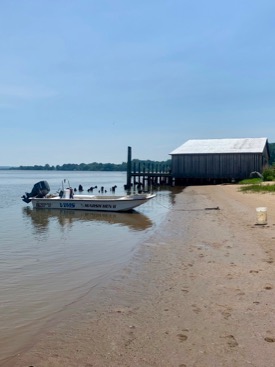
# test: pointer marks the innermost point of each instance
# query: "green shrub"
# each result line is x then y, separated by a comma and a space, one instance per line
268, 174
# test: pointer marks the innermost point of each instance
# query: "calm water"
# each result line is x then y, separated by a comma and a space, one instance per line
51, 258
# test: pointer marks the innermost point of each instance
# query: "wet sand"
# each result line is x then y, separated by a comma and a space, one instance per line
199, 293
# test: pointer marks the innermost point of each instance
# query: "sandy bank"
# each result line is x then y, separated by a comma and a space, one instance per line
199, 293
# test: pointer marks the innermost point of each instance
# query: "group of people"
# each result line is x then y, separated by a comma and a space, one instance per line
92, 188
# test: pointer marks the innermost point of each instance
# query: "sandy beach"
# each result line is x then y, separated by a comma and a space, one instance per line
199, 293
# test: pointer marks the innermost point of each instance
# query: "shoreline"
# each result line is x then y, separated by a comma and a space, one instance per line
197, 293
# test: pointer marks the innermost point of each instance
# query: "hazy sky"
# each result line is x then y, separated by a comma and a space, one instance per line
81, 80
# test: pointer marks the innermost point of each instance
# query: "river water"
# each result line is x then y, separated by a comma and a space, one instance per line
51, 258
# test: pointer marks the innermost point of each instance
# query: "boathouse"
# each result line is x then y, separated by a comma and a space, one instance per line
218, 160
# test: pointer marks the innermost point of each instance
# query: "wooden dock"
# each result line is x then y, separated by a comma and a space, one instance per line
144, 176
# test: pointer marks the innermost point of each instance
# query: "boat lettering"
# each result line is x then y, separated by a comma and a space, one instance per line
93, 206
67, 205
104, 206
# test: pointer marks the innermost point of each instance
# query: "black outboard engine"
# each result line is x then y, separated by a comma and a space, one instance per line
39, 190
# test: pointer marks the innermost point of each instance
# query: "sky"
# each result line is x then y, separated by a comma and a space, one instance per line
80, 81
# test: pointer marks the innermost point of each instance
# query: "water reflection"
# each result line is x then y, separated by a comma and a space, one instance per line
41, 218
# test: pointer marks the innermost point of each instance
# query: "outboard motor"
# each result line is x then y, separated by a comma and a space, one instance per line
39, 190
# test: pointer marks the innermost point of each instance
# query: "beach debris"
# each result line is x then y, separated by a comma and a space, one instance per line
215, 208
269, 339
261, 215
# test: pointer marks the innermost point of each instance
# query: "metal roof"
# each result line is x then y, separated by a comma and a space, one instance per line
209, 146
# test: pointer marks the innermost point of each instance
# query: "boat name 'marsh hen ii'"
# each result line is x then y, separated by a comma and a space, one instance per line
41, 198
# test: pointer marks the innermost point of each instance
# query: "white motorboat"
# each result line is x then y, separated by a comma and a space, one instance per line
41, 198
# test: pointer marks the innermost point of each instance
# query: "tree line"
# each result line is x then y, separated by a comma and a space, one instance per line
94, 166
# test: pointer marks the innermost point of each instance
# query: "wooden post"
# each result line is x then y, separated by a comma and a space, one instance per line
129, 168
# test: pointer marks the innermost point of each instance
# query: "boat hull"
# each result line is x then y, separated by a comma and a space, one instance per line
112, 204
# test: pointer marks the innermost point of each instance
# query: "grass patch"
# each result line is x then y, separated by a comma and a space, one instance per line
250, 181
270, 188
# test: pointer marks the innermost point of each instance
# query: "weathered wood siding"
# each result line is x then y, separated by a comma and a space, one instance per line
218, 166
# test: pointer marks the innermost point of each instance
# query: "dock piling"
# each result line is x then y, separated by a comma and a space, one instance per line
150, 175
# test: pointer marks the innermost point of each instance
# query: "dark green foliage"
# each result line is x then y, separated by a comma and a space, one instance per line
271, 147
269, 174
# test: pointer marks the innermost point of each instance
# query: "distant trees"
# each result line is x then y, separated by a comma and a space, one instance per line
47, 167
271, 147
94, 166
